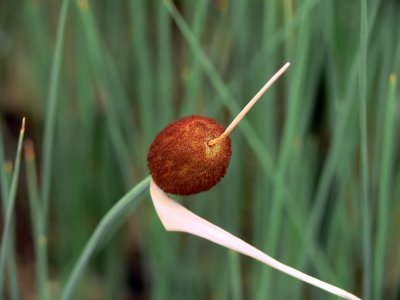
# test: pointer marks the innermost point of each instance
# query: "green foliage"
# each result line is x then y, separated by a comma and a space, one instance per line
314, 173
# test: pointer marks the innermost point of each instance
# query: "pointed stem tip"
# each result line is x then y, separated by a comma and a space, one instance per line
23, 125
249, 105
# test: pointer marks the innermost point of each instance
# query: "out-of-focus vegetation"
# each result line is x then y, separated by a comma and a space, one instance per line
314, 177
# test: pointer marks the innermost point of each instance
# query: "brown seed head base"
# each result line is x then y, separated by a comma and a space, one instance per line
180, 160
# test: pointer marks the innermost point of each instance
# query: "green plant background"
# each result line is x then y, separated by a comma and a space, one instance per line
314, 177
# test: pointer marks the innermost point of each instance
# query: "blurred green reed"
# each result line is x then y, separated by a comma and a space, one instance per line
11, 264
315, 165
7, 240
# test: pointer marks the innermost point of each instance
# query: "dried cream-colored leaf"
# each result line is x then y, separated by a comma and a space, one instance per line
175, 217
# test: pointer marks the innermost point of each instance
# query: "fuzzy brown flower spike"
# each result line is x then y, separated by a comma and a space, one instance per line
191, 155
182, 162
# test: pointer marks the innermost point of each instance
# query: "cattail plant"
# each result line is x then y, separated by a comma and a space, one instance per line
189, 156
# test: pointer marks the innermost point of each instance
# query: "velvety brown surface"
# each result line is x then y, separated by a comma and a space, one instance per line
181, 162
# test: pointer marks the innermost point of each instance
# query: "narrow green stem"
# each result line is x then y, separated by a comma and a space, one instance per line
6, 236
37, 221
52, 104
5, 174
111, 218
384, 187
365, 200
49, 130
236, 282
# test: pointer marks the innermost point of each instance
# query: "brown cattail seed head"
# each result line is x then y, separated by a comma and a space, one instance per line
180, 160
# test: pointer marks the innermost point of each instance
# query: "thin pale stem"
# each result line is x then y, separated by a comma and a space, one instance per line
249, 105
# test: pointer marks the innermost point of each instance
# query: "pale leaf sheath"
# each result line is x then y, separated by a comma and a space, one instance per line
175, 217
